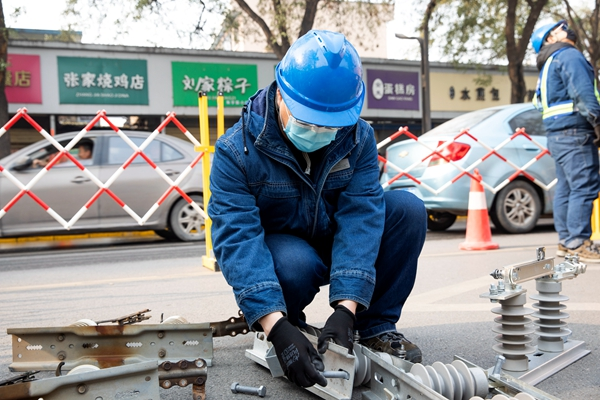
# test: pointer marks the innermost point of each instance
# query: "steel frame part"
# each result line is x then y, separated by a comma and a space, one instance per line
136, 380
115, 345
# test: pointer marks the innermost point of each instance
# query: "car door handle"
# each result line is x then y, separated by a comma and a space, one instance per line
80, 179
170, 172
530, 148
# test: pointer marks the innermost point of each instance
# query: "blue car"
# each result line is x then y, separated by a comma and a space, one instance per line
514, 201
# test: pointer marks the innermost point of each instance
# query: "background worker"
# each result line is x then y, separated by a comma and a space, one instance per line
567, 96
296, 204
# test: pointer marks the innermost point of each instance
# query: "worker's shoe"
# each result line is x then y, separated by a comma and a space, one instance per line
588, 252
396, 344
562, 250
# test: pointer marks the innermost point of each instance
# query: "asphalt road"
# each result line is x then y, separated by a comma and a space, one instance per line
444, 315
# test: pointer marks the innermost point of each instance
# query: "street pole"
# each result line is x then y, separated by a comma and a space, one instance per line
425, 93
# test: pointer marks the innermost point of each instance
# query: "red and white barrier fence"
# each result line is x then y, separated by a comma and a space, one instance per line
462, 171
102, 187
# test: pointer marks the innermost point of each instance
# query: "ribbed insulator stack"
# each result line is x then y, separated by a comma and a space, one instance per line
520, 396
551, 329
513, 339
454, 381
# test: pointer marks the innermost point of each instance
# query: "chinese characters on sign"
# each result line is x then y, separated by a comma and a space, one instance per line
237, 82
23, 83
102, 81
393, 90
480, 94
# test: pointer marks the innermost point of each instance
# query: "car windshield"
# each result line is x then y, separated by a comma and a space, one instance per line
465, 121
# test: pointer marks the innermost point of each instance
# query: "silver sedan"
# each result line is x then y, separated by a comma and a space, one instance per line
66, 190
515, 201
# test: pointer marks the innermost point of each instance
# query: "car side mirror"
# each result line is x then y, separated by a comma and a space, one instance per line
22, 163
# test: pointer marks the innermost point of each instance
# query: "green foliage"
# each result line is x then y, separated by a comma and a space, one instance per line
473, 31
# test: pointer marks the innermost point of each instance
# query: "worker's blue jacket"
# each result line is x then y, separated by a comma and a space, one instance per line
264, 190
569, 84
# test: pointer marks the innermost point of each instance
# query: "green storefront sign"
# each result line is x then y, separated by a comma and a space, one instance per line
102, 81
237, 82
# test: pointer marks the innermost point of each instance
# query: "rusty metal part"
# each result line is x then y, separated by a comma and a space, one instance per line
184, 373
139, 380
231, 327
114, 345
108, 345
128, 319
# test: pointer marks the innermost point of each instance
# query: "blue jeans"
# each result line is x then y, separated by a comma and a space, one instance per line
302, 267
576, 159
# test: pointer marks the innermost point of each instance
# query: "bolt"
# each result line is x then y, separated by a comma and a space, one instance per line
62, 355
183, 364
500, 286
61, 337
183, 382
162, 353
493, 289
81, 389
199, 363
160, 334
166, 365
259, 391
499, 362
166, 384
497, 274
336, 374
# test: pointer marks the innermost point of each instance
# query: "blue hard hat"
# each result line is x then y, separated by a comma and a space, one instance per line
320, 79
540, 34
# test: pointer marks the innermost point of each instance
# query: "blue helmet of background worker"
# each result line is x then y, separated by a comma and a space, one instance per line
540, 34
320, 80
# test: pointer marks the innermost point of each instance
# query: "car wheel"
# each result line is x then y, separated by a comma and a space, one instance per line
439, 221
185, 222
516, 208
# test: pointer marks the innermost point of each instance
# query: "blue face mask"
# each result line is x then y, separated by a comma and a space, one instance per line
307, 137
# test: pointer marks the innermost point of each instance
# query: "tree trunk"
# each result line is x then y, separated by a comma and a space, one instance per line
4, 139
515, 50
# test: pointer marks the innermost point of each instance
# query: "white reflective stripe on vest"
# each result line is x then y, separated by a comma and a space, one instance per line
556, 109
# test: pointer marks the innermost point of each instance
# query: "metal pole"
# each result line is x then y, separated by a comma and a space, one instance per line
425, 84
425, 94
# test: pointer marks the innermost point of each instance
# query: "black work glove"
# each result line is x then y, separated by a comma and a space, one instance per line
339, 328
297, 356
597, 140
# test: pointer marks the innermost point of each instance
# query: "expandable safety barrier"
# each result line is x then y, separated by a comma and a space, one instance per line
438, 152
103, 187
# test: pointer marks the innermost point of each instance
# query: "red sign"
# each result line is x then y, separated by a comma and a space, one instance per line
23, 82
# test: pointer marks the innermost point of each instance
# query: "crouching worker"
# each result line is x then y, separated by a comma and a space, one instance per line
296, 204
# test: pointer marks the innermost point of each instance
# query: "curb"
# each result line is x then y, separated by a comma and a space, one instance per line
50, 238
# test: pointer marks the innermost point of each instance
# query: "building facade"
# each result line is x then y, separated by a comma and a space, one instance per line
63, 85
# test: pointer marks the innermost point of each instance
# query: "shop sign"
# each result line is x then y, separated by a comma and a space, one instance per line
237, 82
23, 82
102, 81
392, 90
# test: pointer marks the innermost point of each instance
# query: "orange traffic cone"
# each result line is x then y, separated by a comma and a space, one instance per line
479, 233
